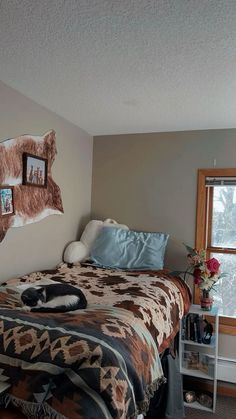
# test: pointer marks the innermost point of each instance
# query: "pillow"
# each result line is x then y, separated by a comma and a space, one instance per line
94, 227
79, 251
126, 249
75, 252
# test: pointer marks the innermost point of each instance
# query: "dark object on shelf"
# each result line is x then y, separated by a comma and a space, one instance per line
205, 400
190, 396
208, 330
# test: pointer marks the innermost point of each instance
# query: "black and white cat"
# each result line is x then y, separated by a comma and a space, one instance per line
53, 298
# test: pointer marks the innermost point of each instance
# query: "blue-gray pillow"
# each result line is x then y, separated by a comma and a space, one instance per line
127, 249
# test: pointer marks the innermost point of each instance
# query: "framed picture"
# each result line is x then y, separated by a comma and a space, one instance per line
6, 200
35, 170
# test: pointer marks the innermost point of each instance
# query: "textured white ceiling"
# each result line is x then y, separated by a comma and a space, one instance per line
124, 66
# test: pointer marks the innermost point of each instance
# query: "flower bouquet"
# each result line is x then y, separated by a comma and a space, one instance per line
206, 272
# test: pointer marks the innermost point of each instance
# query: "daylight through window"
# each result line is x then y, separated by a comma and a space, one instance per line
216, 231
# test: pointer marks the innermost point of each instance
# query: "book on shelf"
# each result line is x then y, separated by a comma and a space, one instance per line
193, 327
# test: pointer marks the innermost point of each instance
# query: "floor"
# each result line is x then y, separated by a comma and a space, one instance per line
225, 408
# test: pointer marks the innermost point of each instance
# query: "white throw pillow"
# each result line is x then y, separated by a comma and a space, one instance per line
76, 252
94, 227
79, 251
91, 232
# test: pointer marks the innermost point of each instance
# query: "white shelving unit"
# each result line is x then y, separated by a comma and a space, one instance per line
188, 347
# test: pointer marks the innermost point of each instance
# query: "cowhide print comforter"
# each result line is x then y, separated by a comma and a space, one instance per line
98, 363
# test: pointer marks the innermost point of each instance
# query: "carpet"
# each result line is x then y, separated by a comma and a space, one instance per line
225, 409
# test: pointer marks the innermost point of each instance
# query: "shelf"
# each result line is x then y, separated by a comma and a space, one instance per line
196, 309
196, 405
196, 373
200, 356
202, 345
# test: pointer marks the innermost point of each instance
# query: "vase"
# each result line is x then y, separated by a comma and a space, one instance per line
206, 300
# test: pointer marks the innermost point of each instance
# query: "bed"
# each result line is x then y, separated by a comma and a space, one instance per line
102, 362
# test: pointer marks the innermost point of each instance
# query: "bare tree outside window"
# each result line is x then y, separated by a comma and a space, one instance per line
216, 232
224, 237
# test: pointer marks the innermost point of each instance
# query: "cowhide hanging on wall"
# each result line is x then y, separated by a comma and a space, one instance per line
30, 202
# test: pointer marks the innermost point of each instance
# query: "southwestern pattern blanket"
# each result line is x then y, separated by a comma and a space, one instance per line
98, 363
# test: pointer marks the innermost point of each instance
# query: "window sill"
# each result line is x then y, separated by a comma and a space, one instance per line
227, 329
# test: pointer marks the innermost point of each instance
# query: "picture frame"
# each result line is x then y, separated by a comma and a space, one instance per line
35, 170
7, 200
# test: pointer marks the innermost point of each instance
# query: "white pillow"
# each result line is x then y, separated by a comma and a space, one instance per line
79, 251
94, 227
76, 252
91, 232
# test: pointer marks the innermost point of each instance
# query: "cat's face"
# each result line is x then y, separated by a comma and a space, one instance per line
32, 296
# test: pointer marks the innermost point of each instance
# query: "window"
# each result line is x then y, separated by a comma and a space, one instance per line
216, 231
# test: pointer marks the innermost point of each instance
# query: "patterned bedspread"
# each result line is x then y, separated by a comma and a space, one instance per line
98, 363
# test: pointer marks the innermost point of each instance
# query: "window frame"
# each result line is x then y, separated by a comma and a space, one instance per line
204, 212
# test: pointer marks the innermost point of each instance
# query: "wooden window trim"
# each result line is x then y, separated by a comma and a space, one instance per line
227, 324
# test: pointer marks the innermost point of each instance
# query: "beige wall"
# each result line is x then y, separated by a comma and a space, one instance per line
40, 245
149, 181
